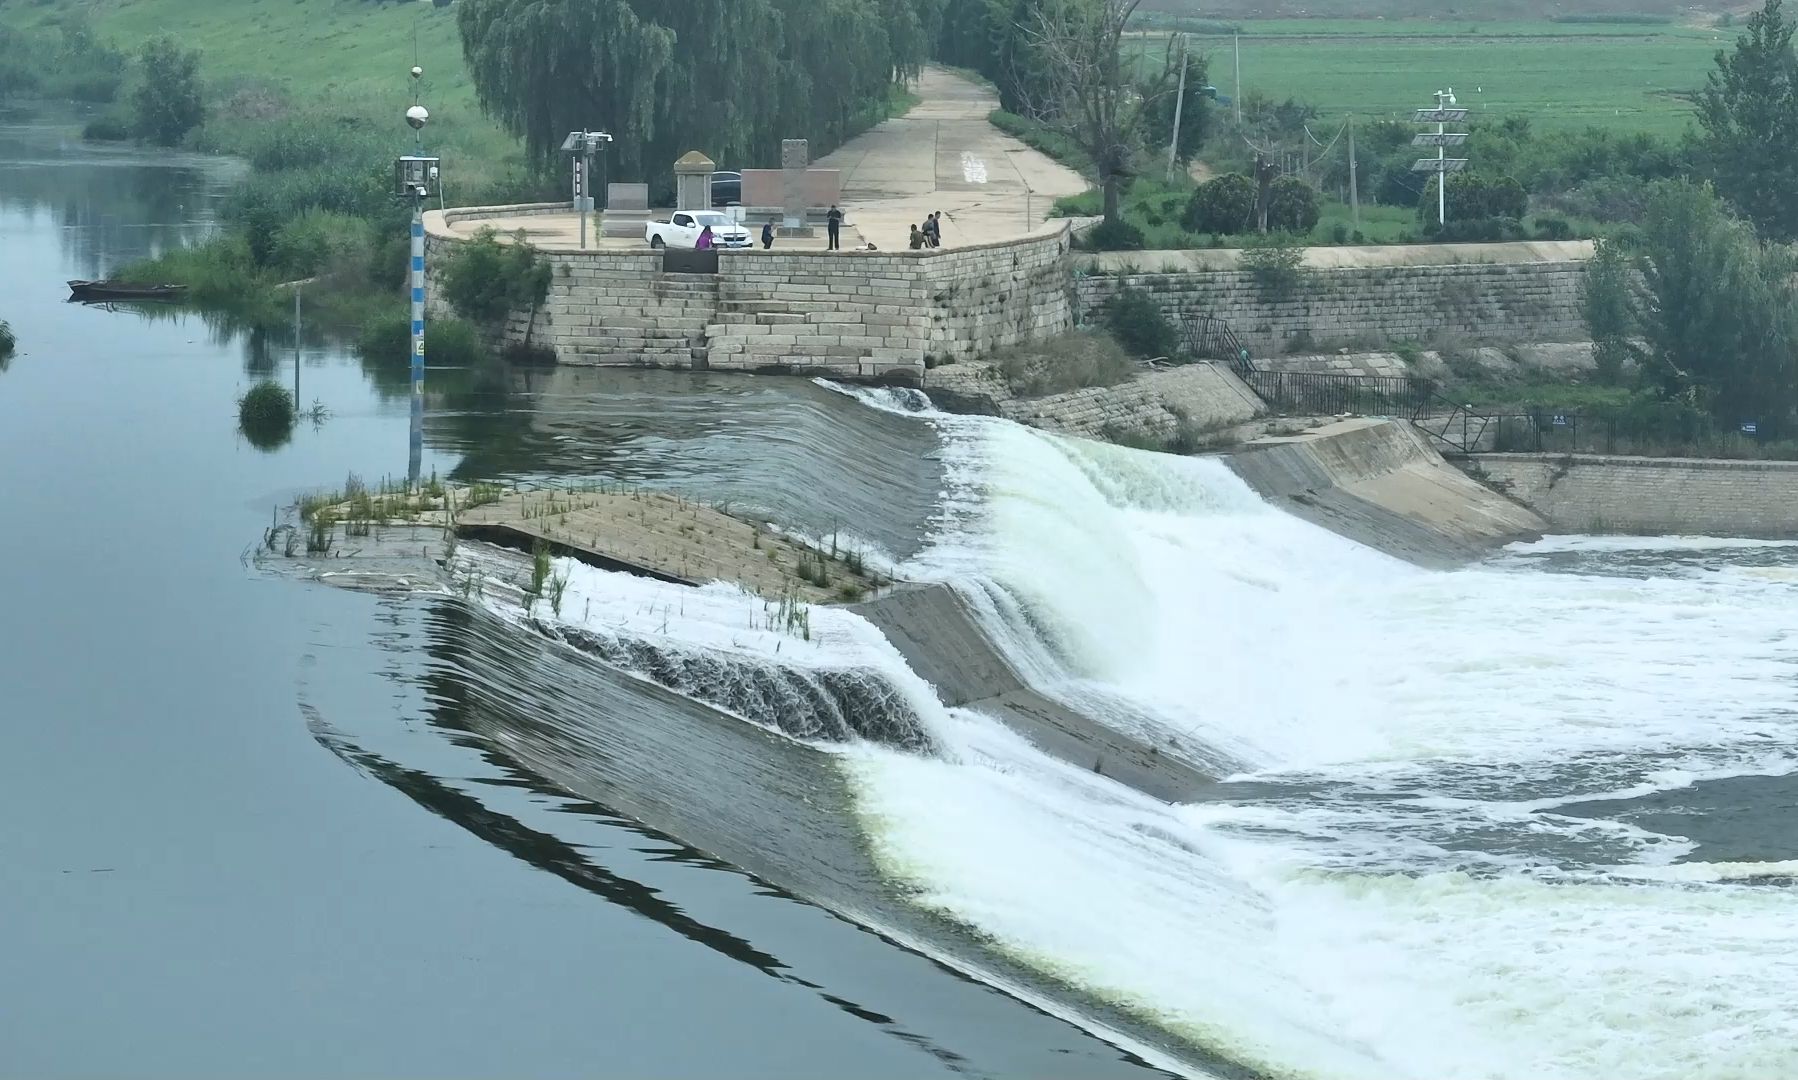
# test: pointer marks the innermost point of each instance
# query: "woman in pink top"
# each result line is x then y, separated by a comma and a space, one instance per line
705, 239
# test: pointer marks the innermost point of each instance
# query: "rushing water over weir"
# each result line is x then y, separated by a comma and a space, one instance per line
1399, 877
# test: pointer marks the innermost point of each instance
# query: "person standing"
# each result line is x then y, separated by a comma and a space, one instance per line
704, 243
833, 223
918, 238
767, 234
933, 228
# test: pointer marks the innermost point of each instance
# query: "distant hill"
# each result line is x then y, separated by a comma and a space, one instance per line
1455, 10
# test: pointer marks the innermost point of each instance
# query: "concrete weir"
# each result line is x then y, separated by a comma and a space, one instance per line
1378, 483
937, 633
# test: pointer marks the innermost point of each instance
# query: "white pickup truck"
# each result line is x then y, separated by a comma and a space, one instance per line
682, 230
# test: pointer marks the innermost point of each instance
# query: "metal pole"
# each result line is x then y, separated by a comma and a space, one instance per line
1173, 145
418, 336
296, 346
1354, 189
1441, 169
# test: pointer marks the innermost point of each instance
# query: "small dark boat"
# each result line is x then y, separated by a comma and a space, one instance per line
122, 290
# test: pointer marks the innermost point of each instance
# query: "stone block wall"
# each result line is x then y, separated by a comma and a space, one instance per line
1652, 496
846, 313
1448, 304
1206, 396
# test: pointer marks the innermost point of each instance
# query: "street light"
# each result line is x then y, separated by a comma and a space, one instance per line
584, 145
1441, 139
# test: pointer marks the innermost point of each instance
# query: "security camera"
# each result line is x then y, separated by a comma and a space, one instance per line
416, 116
418, 72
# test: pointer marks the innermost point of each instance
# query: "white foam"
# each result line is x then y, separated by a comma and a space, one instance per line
1562, 543
1332, 937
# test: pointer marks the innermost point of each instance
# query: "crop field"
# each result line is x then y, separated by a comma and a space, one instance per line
1559, 74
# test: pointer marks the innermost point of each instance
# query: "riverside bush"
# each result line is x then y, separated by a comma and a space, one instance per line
1223, 205
265, 415
485, 280
1291, 206
1136, 321
387, 341
1070, 361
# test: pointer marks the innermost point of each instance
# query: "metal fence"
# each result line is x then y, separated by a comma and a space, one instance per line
1568, 431
1326, 394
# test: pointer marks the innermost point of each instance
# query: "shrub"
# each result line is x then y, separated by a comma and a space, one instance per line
1475, 230
1113, 236
166, 104
318, 240
1223, 204
1136, 322
1472, 196
1549, 227
1274, 262
486, 280
265, 415
1291, 206
7, 341
1339, 233
387, 342
106, 129
1069, 361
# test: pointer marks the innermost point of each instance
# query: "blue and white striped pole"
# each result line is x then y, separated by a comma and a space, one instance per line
416, 451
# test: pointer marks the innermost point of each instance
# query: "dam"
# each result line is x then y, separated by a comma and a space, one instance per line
1177, 749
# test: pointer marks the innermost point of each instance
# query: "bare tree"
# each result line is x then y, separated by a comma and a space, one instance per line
1089, 88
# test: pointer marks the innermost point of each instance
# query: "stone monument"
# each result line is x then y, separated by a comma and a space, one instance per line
795, 157
693, 181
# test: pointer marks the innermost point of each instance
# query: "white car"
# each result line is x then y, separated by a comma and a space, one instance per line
682, 230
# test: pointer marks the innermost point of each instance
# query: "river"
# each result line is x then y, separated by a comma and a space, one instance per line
248, 833
1529, 818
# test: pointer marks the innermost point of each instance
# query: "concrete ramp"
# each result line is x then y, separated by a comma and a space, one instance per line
937, 632
1378, 483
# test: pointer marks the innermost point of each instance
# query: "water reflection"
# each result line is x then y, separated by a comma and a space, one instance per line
112, 203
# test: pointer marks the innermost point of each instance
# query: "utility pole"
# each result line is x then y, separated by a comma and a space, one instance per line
1236, 39
1173, 145
296, 346
1441, 139
584, 145
1354, 190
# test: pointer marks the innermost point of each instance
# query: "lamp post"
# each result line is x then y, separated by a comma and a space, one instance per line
1441, 139
416, 176
584, 145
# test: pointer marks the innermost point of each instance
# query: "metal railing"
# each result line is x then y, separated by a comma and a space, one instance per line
1570, 431
1208, 338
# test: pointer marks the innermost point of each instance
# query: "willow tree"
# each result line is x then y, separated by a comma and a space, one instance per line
731, 78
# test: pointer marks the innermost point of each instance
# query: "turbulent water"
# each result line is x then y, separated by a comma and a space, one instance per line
1403, 875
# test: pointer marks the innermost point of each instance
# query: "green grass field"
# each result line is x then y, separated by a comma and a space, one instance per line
1560, 75
345, 57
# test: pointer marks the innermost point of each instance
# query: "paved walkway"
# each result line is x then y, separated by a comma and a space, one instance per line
942, 155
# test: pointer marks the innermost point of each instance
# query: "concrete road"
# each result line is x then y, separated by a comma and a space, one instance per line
942, 155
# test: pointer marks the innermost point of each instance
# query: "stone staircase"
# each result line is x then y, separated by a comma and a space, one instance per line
658, 322
807, 326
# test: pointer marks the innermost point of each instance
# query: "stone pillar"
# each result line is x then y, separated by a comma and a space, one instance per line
693, 181
795, 157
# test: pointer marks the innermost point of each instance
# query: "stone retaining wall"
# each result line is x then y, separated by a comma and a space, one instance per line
1651, 496
1446, 304
847, 313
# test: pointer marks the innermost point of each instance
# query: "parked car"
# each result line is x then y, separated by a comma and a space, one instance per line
682, 230
727, 188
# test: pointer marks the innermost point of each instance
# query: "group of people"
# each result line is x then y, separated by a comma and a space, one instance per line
929, 234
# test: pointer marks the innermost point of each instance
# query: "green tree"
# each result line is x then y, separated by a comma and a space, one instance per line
1195, 114
1609, 303
1719, 314
1223, 204
1748, 111
166, 103
1291, 206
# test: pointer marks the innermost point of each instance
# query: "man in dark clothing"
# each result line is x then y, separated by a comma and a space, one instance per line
833, 221
919, 238
767, 234
933, 229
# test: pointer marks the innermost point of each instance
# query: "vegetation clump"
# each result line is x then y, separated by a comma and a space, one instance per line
1274, 263
266, 415
1069, 361
8, 342
1136, 323
486, 280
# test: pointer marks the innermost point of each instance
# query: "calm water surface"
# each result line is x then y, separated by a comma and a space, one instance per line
251, 830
